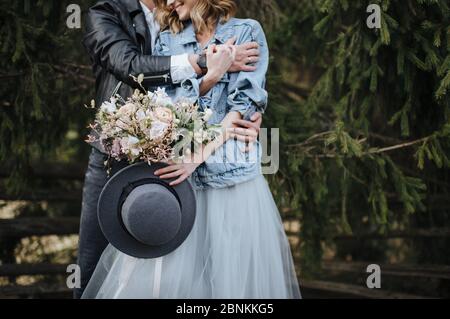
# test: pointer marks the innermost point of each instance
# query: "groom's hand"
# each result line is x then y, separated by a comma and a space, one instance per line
247, 131
247, 55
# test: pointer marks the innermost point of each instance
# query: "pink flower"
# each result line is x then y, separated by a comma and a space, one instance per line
163, 114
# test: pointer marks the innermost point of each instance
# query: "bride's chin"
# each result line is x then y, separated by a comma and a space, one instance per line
184, 19
183, 16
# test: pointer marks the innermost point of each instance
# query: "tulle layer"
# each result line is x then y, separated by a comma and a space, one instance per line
236, 249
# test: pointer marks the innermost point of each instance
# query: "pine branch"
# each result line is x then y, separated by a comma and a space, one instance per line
398, 146
320, 137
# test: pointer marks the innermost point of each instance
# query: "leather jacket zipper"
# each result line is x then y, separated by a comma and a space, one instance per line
150, 77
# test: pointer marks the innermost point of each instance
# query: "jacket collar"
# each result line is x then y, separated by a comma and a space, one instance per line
188, 33
139, 23
133, 6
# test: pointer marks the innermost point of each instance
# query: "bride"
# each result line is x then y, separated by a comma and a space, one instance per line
237, 247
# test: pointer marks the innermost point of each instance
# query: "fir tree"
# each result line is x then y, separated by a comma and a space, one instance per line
373, 130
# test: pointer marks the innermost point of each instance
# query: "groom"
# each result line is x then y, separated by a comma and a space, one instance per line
119, 37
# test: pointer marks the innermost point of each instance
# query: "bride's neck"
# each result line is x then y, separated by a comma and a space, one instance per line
204, 36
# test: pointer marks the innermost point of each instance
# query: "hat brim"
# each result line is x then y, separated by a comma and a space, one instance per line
112, 226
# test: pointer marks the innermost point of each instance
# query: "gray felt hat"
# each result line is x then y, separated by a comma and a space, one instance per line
142, 215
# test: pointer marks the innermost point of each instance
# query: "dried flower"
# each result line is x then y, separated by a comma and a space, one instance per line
148, 126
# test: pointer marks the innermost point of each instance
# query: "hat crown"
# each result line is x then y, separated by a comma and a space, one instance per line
151, 214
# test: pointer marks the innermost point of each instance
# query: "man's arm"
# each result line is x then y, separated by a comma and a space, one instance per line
111, 47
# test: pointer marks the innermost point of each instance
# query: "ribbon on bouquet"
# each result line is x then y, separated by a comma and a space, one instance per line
157, 277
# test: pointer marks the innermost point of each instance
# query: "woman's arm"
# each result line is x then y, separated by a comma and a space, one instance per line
227, 128
246, 90
184, 170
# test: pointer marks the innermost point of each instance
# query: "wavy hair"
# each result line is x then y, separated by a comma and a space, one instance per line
204, 15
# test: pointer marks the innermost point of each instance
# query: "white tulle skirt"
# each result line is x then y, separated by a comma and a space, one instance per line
237, 249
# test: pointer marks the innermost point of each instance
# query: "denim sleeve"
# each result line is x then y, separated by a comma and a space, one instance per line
188, 88
246, 90
191, 88
161, 46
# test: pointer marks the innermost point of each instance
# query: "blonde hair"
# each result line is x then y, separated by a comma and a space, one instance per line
204, 15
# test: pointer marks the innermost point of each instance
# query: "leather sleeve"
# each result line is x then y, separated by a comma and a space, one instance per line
110, 46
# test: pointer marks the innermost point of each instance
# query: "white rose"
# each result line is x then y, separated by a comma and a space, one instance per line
208, 114
158, 129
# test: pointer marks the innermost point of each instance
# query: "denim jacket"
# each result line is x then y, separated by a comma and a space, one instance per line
243, 92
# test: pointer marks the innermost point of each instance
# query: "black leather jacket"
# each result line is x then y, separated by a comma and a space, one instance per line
118, 42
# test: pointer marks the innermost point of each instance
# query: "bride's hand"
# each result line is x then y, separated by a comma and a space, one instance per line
219, 60
180, 171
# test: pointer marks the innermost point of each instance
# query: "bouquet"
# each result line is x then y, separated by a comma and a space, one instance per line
150, 127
